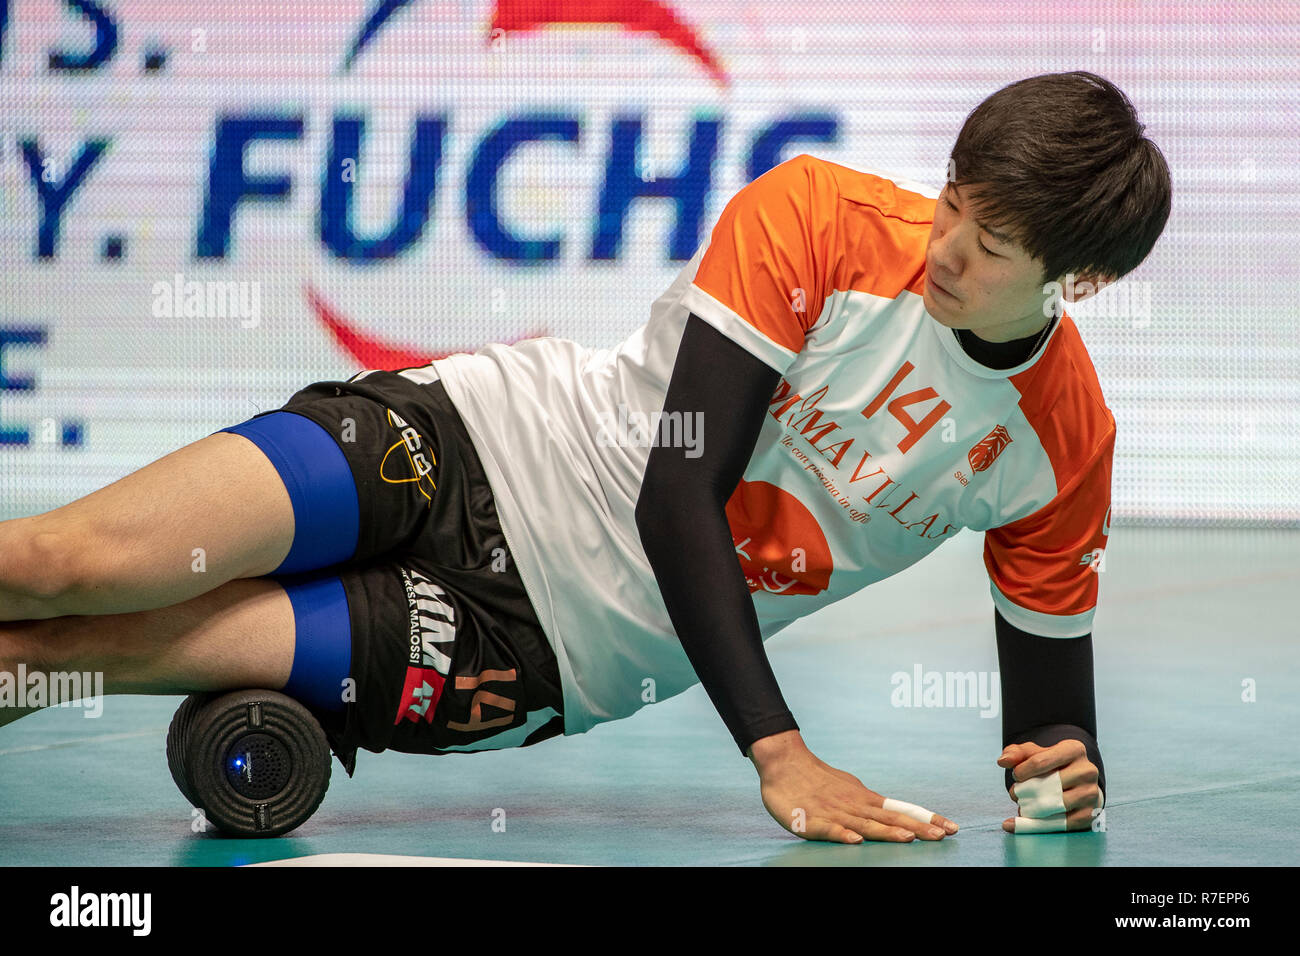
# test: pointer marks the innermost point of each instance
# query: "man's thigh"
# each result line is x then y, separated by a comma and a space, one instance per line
436, 670
447, 651
361, 460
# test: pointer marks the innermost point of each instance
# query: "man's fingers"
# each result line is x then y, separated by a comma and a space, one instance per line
1023, 825
1012, 754
853, 830
907, 809
1080, 819
949, 826
1078, 787
1053, 758
926, 831
1055, 788
1085, 797
920, 814
838, 834
1079, 773
877, 824
1040, 797
1041, 760
890, 827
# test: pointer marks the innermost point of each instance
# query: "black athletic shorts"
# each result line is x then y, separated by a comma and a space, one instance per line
447, 652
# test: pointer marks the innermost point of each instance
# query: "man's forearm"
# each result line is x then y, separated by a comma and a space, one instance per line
712, 612
1047, 691
681, 517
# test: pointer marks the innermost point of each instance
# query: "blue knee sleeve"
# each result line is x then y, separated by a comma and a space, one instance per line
322, 651
326, 514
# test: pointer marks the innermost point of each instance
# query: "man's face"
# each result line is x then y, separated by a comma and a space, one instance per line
977, 279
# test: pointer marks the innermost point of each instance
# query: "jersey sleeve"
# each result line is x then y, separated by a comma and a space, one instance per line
681, 517
1047, 691
766, 272
1044, 568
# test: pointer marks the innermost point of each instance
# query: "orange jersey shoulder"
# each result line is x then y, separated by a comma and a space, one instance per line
804, 230
1048, 562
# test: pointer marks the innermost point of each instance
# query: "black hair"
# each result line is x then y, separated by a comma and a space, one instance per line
1059, 163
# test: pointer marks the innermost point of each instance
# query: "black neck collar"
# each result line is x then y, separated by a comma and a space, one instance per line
1001, 355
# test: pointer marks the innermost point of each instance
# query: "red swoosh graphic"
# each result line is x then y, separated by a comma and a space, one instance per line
373, 353
646, 16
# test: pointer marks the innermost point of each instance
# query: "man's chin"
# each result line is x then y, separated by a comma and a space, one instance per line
940, 314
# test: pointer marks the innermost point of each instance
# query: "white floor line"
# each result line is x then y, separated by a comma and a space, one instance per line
83, 740
382, 859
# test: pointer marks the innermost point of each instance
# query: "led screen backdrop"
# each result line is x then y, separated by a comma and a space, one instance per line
206, 206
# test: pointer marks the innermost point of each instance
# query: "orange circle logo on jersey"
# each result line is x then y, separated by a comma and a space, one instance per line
780, 545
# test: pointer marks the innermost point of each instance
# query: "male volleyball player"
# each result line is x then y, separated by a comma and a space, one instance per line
497, 548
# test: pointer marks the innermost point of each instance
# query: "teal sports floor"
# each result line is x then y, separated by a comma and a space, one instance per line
1197, 776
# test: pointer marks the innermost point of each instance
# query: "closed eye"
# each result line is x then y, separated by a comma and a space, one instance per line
987, 252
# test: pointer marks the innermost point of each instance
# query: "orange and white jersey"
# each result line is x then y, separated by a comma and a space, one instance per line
883, 439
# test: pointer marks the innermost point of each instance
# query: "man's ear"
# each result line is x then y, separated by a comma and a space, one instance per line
1077, 288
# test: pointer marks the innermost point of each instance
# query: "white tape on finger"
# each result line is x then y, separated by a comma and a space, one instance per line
1056, 824
1040, 797
907, 809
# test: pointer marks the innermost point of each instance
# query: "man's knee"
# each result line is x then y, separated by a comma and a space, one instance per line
39, 561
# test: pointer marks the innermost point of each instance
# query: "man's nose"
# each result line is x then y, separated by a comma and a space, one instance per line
943, 259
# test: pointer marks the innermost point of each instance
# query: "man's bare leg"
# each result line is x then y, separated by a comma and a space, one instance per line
238, 636
210, 512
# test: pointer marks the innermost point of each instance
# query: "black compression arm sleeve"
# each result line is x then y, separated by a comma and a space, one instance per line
683, 525
1047, 691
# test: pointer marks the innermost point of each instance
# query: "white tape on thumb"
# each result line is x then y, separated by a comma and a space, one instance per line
1056, 824
907, 809
1040, 797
